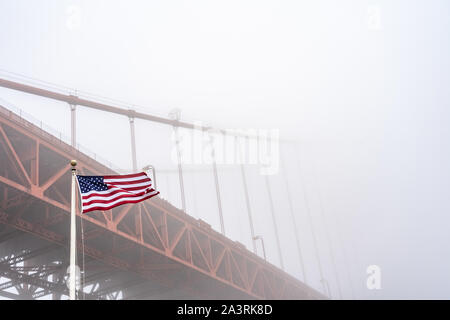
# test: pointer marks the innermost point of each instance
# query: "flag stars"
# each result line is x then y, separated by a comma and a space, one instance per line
90, 183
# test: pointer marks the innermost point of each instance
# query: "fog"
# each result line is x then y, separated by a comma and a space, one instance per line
357, 90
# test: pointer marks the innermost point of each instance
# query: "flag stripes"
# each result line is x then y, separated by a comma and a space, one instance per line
107, 192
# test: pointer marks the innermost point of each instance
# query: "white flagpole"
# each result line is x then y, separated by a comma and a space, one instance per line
73, 229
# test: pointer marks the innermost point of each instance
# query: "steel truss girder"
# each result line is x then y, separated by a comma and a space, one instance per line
41, 271
39, 282
154, 226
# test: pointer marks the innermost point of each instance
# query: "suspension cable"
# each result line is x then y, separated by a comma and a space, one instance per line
216, 180
294, 224
247, 197
308, 213
180, 169
326, 229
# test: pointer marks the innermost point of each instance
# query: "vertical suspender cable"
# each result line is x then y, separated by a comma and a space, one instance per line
294, 224
344, 254
327, 232
180, 169
311, 225
247, 198
272, 210
216, 180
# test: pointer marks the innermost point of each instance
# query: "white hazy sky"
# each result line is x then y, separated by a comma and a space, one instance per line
363, 85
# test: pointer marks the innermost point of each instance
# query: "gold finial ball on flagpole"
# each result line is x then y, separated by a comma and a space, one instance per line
73, 163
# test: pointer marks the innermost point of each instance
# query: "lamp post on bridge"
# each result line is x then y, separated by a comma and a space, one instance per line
150, 167
262, 244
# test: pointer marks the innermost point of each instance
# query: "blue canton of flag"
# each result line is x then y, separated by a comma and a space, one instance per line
89, 183
107, 192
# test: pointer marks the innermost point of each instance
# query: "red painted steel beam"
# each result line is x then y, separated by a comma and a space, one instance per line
185, 232
38, 282
74, 100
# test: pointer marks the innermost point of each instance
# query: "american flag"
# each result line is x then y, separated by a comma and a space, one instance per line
107, 192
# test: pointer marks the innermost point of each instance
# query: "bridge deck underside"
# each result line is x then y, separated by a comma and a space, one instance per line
151, 250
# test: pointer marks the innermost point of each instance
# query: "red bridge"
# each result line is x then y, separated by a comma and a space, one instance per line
147, 251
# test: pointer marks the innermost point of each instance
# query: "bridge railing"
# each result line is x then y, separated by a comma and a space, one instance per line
12, 111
